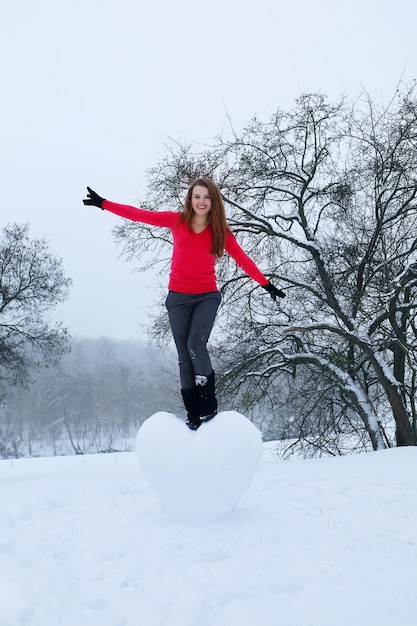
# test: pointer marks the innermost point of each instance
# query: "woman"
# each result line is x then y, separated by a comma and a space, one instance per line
201, 235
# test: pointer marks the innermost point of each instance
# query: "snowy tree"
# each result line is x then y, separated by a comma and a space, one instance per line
324, 199
32, 282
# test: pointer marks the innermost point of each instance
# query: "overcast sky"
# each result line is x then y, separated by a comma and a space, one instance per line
92, 89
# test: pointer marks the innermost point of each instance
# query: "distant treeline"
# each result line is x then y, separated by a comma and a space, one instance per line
94, 401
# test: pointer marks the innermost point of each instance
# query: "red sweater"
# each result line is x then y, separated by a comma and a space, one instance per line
192, 265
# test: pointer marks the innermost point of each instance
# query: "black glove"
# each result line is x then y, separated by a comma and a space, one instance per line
273, 291
93, 199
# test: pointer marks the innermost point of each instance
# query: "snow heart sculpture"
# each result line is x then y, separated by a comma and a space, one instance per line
199, 475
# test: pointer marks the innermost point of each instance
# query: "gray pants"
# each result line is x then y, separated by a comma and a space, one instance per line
191, 317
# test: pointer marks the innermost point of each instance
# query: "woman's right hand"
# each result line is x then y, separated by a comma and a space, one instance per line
93, 199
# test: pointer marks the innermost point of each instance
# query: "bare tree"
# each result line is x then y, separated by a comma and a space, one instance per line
324, 197
32, 282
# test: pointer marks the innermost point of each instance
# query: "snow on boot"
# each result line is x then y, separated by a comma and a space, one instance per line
208, 402
191, 401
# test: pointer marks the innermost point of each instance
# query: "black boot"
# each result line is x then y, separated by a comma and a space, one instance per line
208, 402
191, 400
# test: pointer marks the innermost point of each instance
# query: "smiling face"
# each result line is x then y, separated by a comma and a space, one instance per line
204, 206
201, 201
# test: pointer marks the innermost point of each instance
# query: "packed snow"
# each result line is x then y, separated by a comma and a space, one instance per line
86, 540
194, 477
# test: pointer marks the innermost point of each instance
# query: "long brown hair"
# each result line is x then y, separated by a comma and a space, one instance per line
216, 217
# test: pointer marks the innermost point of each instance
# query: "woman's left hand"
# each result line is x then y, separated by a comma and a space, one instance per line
273, 291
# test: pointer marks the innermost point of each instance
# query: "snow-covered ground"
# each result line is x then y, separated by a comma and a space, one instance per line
84, 541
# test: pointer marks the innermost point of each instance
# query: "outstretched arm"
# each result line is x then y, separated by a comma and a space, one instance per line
248, 266
153, 218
